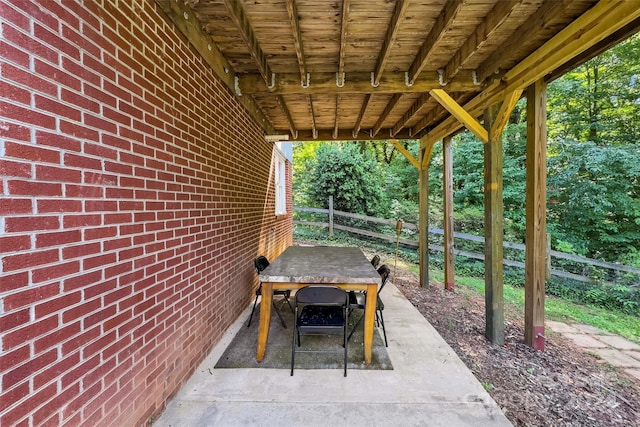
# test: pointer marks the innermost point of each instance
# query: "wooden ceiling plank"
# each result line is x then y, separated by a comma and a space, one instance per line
292, 9
184, 18
408, 115
437, 33
325, 84
343, 35
283, 105
390, 39
387, 110
363, 110
305, 135
586, 31
545, 14
461, 114
239, 17
405, 153
496, 18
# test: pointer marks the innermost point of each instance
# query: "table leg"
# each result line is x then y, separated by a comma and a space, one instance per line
265, 319
369, 320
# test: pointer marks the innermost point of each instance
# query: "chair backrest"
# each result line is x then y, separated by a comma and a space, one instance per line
321, 295
260, 263
384, 271
375, 261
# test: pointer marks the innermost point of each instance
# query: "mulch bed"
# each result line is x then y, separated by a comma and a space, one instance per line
562, 386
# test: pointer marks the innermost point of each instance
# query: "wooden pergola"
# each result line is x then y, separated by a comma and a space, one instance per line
413, 70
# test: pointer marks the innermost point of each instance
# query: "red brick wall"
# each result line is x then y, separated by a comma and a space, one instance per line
134, 193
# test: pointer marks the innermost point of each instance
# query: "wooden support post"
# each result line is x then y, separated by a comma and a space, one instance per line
330, 216
493, 232
447, 200
423, 247
536, 209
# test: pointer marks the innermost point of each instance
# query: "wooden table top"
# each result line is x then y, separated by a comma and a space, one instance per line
321, 264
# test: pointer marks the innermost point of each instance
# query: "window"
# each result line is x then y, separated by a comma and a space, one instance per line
281, 184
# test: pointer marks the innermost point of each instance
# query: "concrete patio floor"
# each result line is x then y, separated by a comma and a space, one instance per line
429, 386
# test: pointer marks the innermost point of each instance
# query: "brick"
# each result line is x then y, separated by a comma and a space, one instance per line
56, 337
78, 131
55, 41
57, 108
57, 271
58, 205
14, 16
10, 282
58, 141
34, 188
31, 153
81, 281
79, 100
13, 92
99, 122
10, 397
31, 223
15, 169
81, 250
30, 296
28, 332
17, 413
100, 233
14, 319
15, 132
98, 345
57, 304
83, 191
15, 243
30, 260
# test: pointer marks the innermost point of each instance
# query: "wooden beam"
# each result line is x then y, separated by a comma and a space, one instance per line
390, 39
408, 115
387, 110
447, 207
505, 111
363, 110
343, 35
493, 233
184, 18
459, 113
546, 14
536, 214
292, 10
604, 45
586, 31
437, 33
355, 83
283, 105
336, 118
405, 153
343, 135
487, 28
239, 17
314, 129
423, 218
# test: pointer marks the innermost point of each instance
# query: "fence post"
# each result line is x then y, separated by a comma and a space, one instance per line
330, 216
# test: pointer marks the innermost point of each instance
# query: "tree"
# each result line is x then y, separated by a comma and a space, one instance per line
353, 179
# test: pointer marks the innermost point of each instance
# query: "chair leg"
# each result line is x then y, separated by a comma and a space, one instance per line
355, 327
344, 335
284, 325
293, 347
252, 310
384, 331
286, 298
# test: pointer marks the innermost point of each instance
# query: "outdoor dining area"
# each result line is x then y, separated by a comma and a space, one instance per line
409, 377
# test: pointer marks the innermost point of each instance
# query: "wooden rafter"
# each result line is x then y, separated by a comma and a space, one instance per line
408, 115
292, 9
343, 36
502, 118
586, 31
461, 114
545, 14
325, 84
314, 128
184, 18
436, 34
363, 110
241, 20
387, 110
287, 113
497, 17
390, 39
337, 116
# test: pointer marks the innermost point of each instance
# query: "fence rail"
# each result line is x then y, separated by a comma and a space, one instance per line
462, 236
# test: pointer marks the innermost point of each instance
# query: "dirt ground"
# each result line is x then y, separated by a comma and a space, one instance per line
562, 386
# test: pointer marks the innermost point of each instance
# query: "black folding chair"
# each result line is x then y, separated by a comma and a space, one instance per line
320, 310
260, 263
357, 302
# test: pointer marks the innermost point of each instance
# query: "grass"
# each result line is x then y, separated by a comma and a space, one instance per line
557, 309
